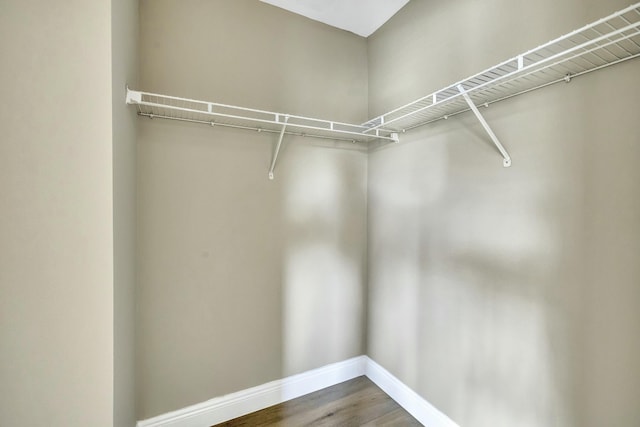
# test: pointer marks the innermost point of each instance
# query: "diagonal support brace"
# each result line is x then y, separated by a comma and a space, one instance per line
277, 151
507, 159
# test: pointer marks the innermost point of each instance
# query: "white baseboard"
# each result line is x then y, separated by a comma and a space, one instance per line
411, 401
244, 402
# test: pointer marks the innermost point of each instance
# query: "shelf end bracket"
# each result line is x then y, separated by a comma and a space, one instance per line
133, 96
277, 150
506, 158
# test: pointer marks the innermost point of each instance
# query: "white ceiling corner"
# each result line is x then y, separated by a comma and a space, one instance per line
362, 17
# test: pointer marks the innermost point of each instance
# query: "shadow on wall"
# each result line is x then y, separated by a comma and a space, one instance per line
323, 256
475, 270
490, 308
243, 280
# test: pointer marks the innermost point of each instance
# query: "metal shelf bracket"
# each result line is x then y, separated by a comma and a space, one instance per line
507, 159
277, 150
133, 97
605, 42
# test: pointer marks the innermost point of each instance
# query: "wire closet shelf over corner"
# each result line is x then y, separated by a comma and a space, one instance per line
608, 41
154, 105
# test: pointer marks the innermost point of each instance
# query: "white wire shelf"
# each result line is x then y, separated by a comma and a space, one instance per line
155, 105
608, 41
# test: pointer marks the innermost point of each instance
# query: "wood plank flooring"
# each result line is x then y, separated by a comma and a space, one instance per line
357, 402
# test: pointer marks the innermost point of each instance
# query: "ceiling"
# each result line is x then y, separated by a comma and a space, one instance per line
362, 17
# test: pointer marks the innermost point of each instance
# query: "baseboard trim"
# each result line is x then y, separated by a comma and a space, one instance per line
411, 401
244, 402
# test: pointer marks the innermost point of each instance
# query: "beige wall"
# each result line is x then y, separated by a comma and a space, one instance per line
503, 296
507, 297
124, 44
243, 280
56, 233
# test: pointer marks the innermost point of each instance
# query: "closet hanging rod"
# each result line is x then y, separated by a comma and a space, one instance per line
607, 41
156, 105
486, 104
254, 129
235, 107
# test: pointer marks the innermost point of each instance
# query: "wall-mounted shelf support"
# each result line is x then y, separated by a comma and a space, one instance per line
605, 42
155, 105
277, 150
608, 41
507, 159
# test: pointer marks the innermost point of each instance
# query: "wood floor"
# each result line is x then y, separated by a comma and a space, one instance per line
357, 402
